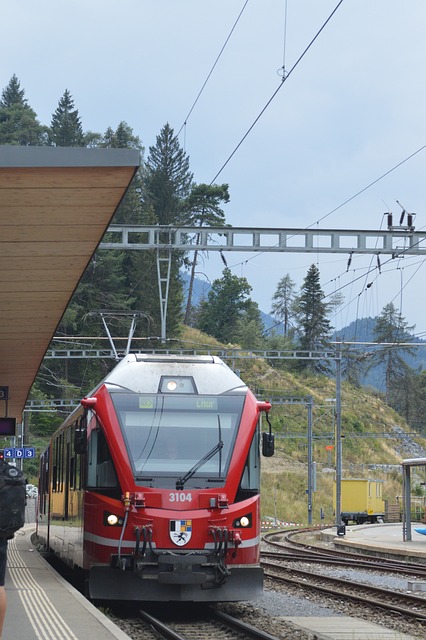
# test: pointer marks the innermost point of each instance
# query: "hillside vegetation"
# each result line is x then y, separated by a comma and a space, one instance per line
375, 438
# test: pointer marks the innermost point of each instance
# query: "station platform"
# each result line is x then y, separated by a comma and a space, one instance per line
376, 539
382, 539
43, 605
345, 628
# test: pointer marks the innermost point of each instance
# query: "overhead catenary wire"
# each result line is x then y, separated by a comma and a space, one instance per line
378, 268
345, 202
283, 70
358, 193
369, 285
375, 181
213, 67
284, 76
283, 80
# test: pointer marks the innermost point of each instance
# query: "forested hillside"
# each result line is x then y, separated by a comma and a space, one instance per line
165, 192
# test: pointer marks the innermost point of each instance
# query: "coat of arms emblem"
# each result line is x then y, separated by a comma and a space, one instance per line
180, 531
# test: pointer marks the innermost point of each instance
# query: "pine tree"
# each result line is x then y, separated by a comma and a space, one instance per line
353, 365
18, 121
65, 127
107, 282
313, 325
226, 303
249, 330
13, 95
203, 209
140, 267
418, 408
122, 138
130, 210
166, 185
390, 329
283, 299
168, 179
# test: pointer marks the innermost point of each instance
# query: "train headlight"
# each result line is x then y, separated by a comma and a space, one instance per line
243, 522
177, 384
112, 520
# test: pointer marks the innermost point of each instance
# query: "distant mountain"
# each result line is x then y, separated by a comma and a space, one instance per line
200, 289
359, 331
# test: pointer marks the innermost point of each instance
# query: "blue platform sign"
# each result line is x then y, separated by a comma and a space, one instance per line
11, 453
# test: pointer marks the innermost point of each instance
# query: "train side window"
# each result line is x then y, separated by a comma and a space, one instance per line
58, 464
75, 461
100, 468
250, 479
61, 463
54, 466
72, 472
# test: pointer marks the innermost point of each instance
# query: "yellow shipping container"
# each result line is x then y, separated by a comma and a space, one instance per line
361, 500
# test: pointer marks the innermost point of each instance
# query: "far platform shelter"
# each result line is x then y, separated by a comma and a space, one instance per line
55, 205
406, 470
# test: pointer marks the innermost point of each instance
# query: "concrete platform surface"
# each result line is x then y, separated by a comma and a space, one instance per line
345, 628
386, 537
41, 605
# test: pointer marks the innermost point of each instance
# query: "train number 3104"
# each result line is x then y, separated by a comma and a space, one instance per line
180, 497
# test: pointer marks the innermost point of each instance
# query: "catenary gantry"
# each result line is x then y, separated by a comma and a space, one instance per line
394, 241
55, 205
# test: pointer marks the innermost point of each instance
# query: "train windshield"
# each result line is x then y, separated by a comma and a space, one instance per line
179, 439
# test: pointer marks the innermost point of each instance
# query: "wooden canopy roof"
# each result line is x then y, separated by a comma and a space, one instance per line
55, 205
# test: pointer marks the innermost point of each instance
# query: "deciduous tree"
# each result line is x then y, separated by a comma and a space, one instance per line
226, 303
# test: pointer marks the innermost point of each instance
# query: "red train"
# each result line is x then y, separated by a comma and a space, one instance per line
152, 485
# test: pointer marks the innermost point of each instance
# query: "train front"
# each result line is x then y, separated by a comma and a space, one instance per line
183, 439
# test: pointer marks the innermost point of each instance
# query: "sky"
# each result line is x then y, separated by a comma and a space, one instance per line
349, 111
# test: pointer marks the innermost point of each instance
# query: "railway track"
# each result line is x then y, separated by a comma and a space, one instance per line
212, 624
280, 567
411, 607
359, 563
299, 550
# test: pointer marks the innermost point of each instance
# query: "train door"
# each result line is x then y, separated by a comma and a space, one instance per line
67, 475
43, 506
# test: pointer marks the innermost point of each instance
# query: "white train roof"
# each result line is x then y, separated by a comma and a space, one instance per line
142, 373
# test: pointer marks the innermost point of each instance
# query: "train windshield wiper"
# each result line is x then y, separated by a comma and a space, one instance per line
180, 482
